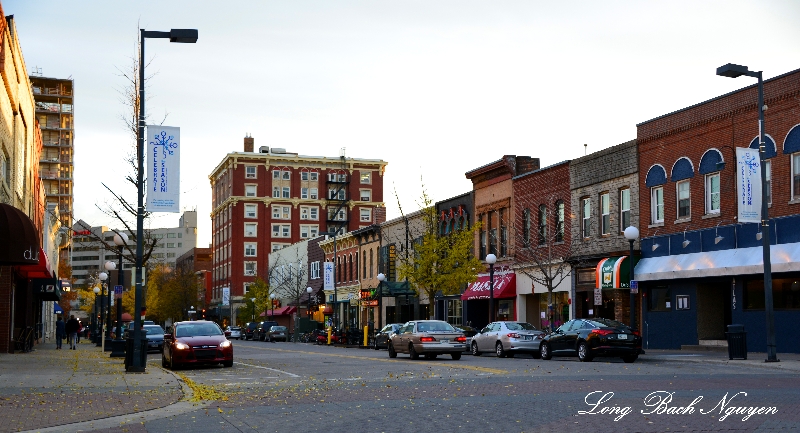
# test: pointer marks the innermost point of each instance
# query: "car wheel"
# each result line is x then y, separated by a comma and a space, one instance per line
164, 360
412, 352
544, 351
392, 353
630, 358
375, 345
227, 364
172, 364
475, 351
456, 356
583, 352
498, 349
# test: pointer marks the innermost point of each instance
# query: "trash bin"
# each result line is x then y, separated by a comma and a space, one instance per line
737, 342
129, 352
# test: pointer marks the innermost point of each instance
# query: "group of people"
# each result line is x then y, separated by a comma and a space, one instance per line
71, 330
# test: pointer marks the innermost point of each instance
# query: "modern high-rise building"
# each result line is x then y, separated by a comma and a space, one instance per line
268, 199
54, 110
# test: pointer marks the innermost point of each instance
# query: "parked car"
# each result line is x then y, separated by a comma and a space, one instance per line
588, 338
429, 338
277, 333
236, 332
155, 337
261, 330
507, 338
250, 330
468, 331
382, 337
196, 342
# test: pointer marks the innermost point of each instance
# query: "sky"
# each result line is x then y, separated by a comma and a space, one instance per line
435, 88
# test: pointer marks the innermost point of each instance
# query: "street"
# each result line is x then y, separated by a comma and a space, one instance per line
273, 387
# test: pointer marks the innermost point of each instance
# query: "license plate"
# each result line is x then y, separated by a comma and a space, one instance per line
445, 340
622, 336
528, 337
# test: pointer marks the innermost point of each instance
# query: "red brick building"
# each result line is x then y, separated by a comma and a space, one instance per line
267, 199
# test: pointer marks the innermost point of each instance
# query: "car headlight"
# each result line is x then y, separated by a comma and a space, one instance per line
181, 346
225, 344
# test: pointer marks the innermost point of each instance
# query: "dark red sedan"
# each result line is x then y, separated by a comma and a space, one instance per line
196, 342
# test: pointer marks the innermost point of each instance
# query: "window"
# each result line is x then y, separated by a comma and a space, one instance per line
281, 212
250, 229
309, 213
336, 193
281, 230
682, 302
170, 255
483, 241
454, 315
560, 221
684, 200
365, 194
659, 299
334, 177
180, 235
796, 175
285, 175
365, 215
278, 245
249, 211
276, 174
624, 209
250, 171
315, 270
249, 250
586, 216
286, 193
180, 244
5, 173
276, 192
333, 215
657, 204
785, 294
170, 245
605, 214
542, 224
314, 176
309, 231
366, 177
303, 192
312, 193
768, 167
303, 175
249, 268
249, 190
169, 235
247, 288
526, 227
503, 233
712, 193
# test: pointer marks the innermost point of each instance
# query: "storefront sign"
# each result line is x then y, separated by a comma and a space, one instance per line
613, 273
328, 276
748, 185
598, 296
163, 168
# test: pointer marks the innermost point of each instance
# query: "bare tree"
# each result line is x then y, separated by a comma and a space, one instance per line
291, 280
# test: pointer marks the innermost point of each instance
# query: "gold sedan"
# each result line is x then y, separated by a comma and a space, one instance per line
428, 338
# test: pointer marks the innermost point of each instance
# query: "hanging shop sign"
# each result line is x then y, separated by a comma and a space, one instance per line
748, 185
163, 168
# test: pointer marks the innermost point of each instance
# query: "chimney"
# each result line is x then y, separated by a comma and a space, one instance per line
248, 143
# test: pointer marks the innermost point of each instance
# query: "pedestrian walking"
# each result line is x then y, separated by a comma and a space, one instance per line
60, 332
72, 327
80, 330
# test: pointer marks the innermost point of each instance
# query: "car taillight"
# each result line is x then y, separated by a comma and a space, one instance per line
603, 332
512, 335
461, 339
426, 339
636, 333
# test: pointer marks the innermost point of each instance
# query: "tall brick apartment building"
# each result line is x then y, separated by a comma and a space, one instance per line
701, 269
267, 199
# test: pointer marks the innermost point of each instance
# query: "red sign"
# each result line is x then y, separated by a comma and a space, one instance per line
82, 232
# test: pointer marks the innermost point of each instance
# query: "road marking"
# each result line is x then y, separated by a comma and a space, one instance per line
435, 364
271, 369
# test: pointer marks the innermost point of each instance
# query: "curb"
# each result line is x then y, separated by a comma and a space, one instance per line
788, 365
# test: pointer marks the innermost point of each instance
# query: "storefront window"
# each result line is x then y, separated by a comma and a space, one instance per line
454, 311
559, 313
785, 294
659, 299
505, 309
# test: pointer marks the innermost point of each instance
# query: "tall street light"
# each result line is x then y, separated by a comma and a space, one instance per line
96, 318
110, 266
491, 259
253, 300
101, 338
308, 310
381, 279
732, 71
175, 35
272, 304
118, 345
631, 234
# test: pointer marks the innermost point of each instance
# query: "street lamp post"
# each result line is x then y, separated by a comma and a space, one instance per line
110, 266
732, 71
631, 234
491, 259
174, 35
101, 338
118, 345
308, 310
253, 318
96, 318
381, 278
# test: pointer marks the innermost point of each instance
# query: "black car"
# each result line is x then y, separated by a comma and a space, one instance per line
588, 338
382, 337
155, 337
248, 331
262, 329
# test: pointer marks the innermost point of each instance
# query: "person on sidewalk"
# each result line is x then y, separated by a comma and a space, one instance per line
72, 327
60, 332
80, 331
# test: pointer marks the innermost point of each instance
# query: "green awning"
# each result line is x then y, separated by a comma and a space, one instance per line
614, 273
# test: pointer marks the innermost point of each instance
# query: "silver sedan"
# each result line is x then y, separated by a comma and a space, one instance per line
507, 338
429, 338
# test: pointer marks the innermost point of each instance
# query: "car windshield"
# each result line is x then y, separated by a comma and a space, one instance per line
606, 323
154, 329
278, 328
197, 329
520, 326
434, 327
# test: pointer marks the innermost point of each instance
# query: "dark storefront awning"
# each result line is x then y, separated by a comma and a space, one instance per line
39, 270
283, 311
48, 289
614, 273
18, 237
505, 286
396, 288
57, 309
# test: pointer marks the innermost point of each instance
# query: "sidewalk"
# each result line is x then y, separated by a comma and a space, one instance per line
789, 362
49, 387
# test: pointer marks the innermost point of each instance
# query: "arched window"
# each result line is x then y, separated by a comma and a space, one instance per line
560, 221
364, 266
526, 227
452, 226
371, 263
542, 224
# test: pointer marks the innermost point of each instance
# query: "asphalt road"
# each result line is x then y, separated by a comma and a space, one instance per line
279, 387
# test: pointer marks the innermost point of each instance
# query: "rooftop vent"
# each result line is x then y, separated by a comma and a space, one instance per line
278, 150
263, 149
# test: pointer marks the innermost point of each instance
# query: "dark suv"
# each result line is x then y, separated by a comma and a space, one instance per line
262, 329
249, 330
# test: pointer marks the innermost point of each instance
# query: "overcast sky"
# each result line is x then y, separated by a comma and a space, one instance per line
436, 88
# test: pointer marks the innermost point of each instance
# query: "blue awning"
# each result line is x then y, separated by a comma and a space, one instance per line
57, 309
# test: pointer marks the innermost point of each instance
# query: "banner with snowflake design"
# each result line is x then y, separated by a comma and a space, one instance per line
163, 167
